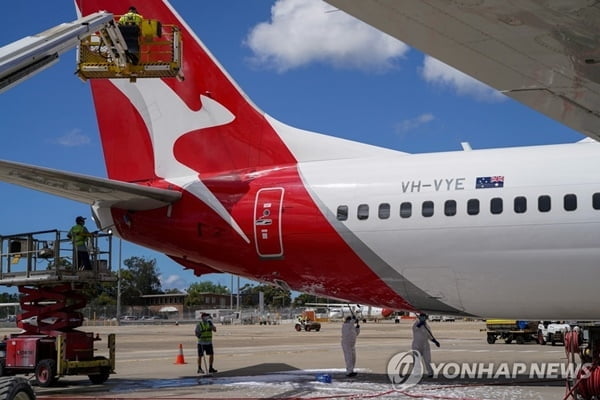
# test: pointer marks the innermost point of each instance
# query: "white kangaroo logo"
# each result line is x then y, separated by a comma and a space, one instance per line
168, 118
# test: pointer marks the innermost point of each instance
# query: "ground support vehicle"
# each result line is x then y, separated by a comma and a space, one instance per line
308, 321
42, 266
552, 332
509, 330
307, 326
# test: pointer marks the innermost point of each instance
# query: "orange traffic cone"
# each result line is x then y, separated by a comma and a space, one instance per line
179, 359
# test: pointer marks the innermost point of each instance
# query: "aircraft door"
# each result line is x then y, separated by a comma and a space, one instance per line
267, 222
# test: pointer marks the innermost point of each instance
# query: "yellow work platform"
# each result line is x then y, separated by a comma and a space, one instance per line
151, 50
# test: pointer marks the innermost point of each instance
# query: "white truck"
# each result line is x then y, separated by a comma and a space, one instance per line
552, 332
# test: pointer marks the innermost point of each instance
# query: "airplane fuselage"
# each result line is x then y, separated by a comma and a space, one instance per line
489, 232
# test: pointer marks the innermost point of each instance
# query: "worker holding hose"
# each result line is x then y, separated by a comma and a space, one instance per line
350, 330
421, 337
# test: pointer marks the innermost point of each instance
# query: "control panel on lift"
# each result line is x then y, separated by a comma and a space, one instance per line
50, 256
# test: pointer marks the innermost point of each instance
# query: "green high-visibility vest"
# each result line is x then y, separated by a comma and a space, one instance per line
130, 19
79, 234
205, 330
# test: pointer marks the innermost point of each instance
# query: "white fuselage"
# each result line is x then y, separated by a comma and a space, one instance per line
502, 264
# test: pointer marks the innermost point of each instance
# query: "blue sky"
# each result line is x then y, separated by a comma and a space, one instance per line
301, 61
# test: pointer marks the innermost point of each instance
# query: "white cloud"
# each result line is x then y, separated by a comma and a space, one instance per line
414, 123
173, 282
436, 72
74, 138
305, 31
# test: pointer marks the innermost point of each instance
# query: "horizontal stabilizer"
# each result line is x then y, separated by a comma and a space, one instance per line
87, 189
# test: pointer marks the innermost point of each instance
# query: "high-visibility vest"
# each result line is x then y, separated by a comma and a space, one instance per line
131, 18
205, 330
79, 235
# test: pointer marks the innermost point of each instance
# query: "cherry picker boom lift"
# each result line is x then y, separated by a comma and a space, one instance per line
103, 51
152, 50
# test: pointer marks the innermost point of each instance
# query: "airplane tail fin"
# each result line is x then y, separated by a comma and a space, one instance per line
163, 127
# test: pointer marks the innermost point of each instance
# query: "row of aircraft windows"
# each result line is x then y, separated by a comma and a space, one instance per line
544, 204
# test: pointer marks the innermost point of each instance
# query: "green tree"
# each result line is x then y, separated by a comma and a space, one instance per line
102, 294
140, 277
105, 299
274, 296
9, 297
197, 289
302, 299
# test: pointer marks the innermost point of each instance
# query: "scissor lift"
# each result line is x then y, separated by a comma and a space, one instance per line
43, 266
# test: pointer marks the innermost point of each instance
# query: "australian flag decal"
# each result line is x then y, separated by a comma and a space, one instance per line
489, 182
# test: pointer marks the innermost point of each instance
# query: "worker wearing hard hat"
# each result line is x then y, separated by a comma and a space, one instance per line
421, 337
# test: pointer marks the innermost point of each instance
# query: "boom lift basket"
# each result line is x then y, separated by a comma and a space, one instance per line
153, 52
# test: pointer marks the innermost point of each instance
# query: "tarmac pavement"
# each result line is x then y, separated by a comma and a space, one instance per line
275, 361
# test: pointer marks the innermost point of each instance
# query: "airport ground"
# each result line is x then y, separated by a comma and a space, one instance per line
275, 361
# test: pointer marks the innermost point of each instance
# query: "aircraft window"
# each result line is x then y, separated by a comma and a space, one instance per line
473, 207
342, 213
496, 205
427, 208
570, 202
596, 201
450, 208
363, 211
520, 204
544, 203
384, 211
405, 210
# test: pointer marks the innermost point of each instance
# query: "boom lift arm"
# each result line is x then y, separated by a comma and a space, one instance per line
103, 51
22, 59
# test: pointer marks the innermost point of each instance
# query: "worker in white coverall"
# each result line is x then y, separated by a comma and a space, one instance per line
350, 331
421, 337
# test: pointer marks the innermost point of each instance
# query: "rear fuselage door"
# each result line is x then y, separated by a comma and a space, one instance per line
267, 222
